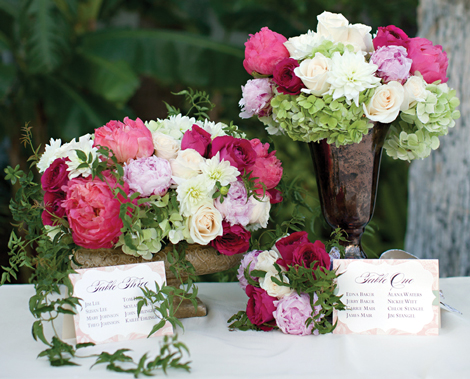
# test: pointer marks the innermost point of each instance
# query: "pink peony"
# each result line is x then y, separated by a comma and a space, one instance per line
390, 35
53, 207
284, 77
392, 62
262, 149
287, 245
235, 208
55, 176
128, 140
260, 308
256, 98
93, 212
235, 240
429, 60
198, 139
268, 171
237, 151
263, 51
250, 259
292, 312
148, 176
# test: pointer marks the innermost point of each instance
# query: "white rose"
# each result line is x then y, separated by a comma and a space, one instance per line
385, 103
273, 289
166, 147
303, 45
333, 26
360, 38
266, 259
187, 163
260, 213
205, 225
314, 73
415, 91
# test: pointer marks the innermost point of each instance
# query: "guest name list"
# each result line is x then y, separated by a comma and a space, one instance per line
381, 297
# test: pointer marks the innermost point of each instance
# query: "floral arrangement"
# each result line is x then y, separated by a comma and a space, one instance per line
138, 185
290, 287
336, 82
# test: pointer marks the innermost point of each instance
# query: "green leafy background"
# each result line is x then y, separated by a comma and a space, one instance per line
69, 66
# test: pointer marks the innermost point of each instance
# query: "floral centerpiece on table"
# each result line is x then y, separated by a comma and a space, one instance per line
333, 83
290, 287
139, 185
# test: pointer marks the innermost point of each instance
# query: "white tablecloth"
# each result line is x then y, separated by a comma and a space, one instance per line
218, 353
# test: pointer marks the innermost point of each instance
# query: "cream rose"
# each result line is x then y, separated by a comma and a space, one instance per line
260, 213
205, 225
273, 289
385, 103
360, 38
166, 147
187, 164
314, 73
266, 260
415, 91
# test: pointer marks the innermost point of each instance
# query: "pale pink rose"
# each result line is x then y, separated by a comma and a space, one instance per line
148, 176
235, 209
393, 63
256, 98
292, 312
263, 51
128, 140
93, 211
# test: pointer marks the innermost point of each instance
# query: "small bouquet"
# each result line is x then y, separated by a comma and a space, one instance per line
334, 83
139, 185
290, 287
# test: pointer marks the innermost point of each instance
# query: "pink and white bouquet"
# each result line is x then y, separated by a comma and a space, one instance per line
290, 287
141, 185
335, 82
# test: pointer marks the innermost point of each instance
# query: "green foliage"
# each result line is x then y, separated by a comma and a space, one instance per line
241, 322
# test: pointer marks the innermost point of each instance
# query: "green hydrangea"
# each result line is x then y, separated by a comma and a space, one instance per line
146, 241
417, 132
328, 48
309, 118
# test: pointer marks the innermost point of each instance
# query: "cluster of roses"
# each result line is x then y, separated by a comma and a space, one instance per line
193, 164
383, 76
271, 304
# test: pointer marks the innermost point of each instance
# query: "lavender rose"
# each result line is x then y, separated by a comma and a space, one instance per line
148, 176
249, 260
393, 62
256, 98
292, 312
235, 209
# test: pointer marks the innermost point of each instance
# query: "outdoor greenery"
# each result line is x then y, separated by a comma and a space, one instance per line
69, 66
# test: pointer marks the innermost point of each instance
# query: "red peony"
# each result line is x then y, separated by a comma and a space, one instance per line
237, 151
260, 307
283, 75
128, 140
55, 176
198, 139
287, 245
429, 60
235, 240
390, 35
263, 51
93, 212
307, 253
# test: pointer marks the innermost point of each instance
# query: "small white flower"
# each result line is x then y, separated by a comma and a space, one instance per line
51, 153
174, 126
192, 193
350, 75
215, 130
216, 171
303, 45
85, 144
260, 214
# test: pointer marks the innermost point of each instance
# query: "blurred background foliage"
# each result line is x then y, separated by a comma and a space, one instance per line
69, 66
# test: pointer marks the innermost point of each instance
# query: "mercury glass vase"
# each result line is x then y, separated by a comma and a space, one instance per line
347, 178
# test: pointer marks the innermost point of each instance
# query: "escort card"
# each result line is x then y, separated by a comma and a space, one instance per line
388, 296
108, 311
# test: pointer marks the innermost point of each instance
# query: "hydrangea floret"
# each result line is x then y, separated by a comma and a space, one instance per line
349, 82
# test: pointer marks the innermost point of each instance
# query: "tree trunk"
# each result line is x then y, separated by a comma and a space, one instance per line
439, 186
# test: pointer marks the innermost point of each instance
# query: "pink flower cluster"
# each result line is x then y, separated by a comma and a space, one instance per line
288, 311
92, 207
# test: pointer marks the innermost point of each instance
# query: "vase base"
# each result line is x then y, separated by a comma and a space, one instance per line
354, 252
186, 309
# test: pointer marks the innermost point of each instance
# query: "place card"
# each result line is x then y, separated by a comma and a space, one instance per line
388, 296
108, 308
